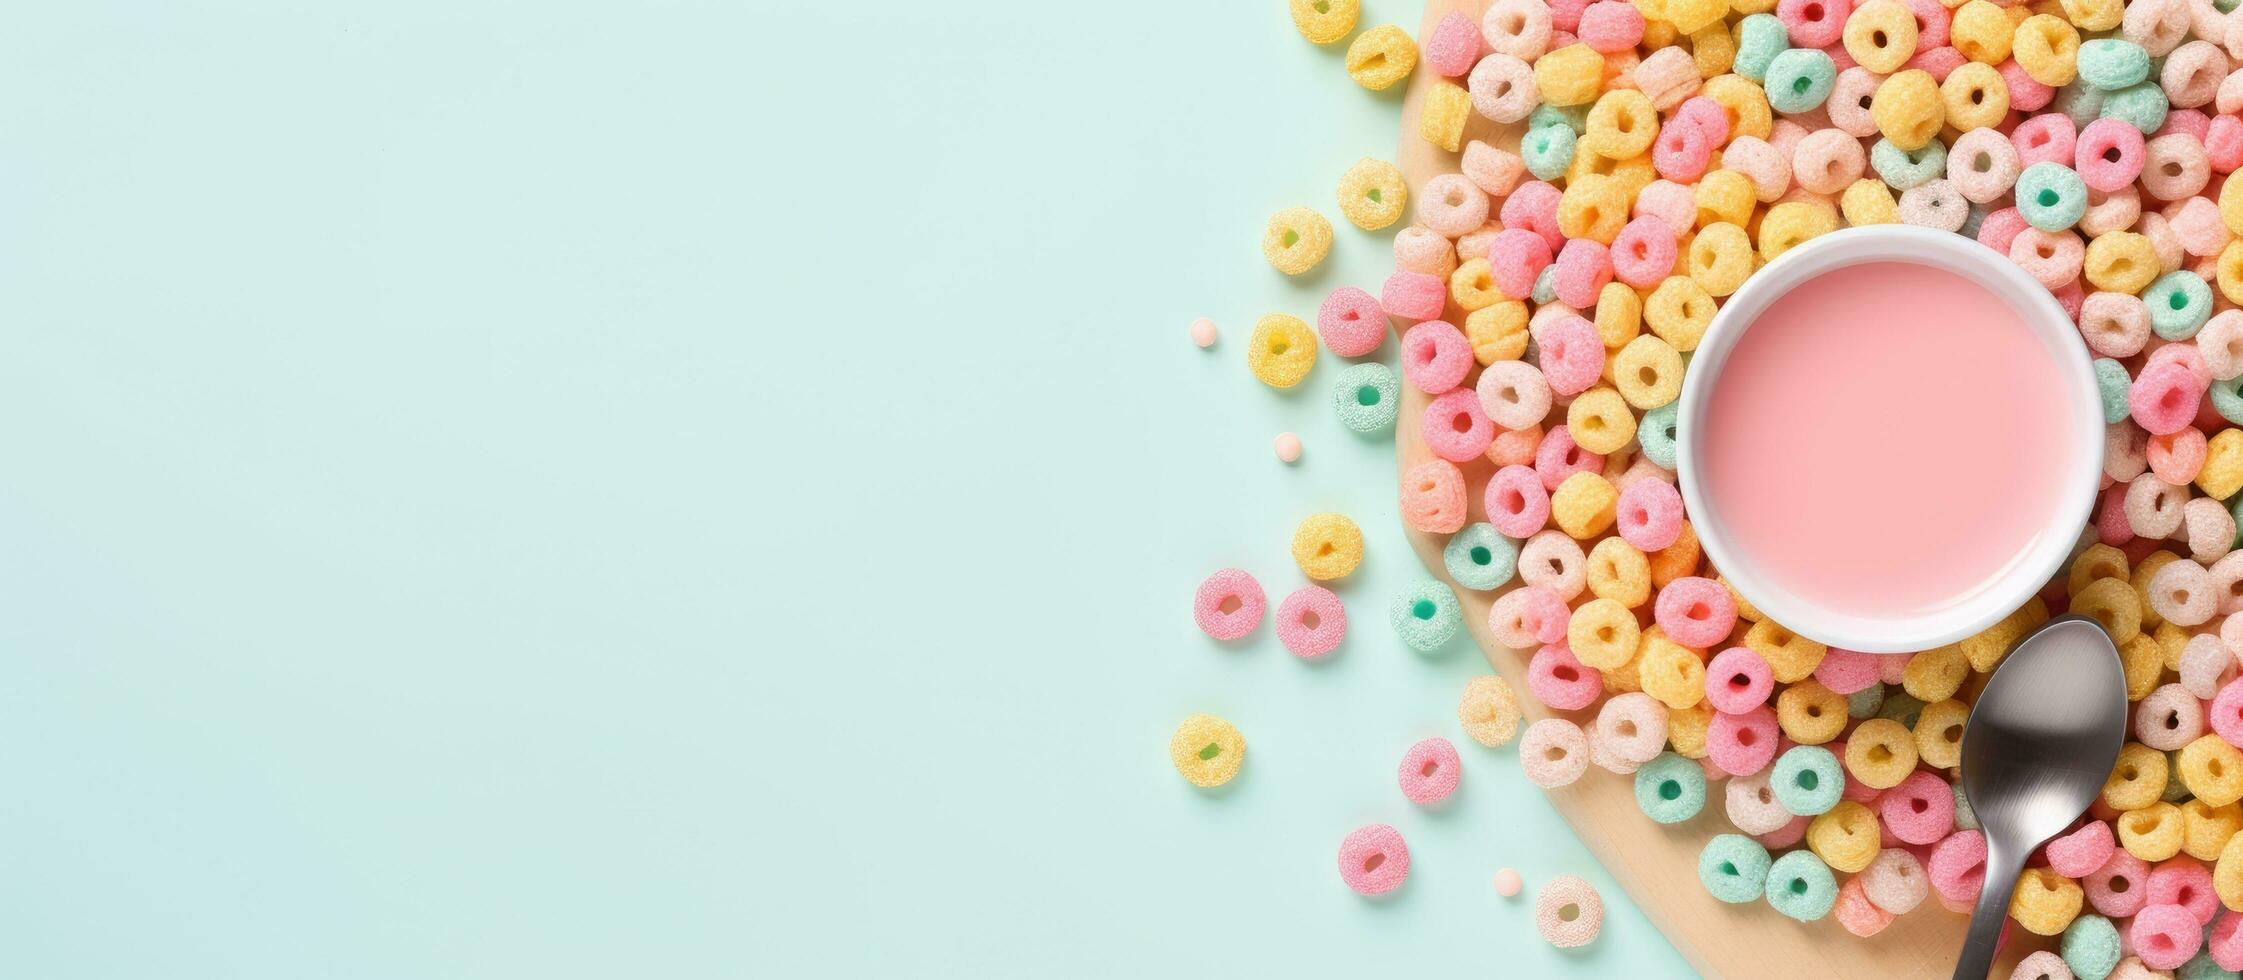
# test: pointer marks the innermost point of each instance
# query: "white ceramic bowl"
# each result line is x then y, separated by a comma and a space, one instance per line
2083, 472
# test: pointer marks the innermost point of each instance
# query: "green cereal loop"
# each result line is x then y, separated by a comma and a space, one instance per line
1572, 117
1760, 38
1478, 558
1426, 615
2112, 383
1862, 705
1548, 151
1656, 435
1965, 817
1902, 707
2051, 196
2111, 63
2143, 105
1734, 868
1670, 789
1800, 79
1904, 169
1545, 285
2090, 945
2082, 102
1800, 886
1367, 397
2179, 304
2227, 399
1807, 780
2203, 967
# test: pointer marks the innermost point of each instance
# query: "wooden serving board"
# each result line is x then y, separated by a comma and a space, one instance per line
1658, 865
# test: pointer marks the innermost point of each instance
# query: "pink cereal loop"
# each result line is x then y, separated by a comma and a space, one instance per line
1373, 860
1517, 503
1435, 356
1738, 680
1311, 622
1351, 322
1433, 497
1429, 771
1558, 458
1649, 515
1229, 604
1558, 679
1696, 612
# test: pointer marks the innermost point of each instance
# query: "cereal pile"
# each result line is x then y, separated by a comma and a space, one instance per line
1668, 149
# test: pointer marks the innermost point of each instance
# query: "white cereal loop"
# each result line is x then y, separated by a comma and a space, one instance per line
2125, 451
2227, 586
1552, 560
1451, 205
2041, 965
2169, 718
1568, 912
1502, 88
1632, 726
2181, 592
2153, 506
2206, 666
1752, 806
2210, 529
1895, 881
1553, 753
2221, 344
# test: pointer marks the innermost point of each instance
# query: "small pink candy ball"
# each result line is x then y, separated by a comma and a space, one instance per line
1288, 447
1203, 332
1507, 883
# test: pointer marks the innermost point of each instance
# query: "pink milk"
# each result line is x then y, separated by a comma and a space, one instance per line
1886, 439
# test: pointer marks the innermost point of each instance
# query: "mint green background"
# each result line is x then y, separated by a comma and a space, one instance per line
560, 489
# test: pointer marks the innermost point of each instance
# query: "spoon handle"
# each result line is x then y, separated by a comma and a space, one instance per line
1986, 920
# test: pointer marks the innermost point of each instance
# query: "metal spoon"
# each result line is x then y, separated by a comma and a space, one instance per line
2041, 740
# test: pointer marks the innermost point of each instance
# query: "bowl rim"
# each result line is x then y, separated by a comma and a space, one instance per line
1921, 246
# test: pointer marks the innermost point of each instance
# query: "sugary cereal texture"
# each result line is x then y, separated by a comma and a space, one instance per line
1381, 56
1568, 912
1372, 194
1327, 546
1229, 604
1429, 771
1734, 868
1489, 711
1324, 21
1426, 615
1367, 397
1296, 239
1207, 751
1374, 860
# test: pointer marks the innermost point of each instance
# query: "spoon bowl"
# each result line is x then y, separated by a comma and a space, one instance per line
2041, 740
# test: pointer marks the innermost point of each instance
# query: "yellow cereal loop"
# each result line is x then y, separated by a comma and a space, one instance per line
1206, 751
1686, 729
1791, 658
2152, 833
2121, 261
1497, 331
1982, 32
1726, 197
1844, 837
1990, 645
1626, 679
1600, 423
1619, 573
2227, 874
1648, 374
1713, 50
2211, 769
1745, 609
1720, 257
1974, 96
2144, 663
1657, 33
2228, 272
1906, 108
2097, 561
2137, 779
1679, 311
1584, 505
1744, 100
1939, 733
1440, 121
2048, 49
1372, 194
1868, 202
2141, 582
1692, 16
2044, 902
1935, 675
1281, 350
1324, 21
1296, 240
1489, 711
1571, 75
1593, 207
1472, 286
1745, 8
2094, 15
1809, 713
1603, 634
1671, 674
1381, 56
1880, 753
2205, 828
1327, 546
2111, 602
1677, 560
2231, 206
2222, 474
2171, 640
1789, 223
1619, 315
1880, 35
1621, 125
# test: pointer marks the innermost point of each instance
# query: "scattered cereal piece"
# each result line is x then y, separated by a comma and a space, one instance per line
1426, 615
1207, 750
1373, 860
1229, 604
1489, 711
1296, 240
1380, 57
1568, 912
1324, 21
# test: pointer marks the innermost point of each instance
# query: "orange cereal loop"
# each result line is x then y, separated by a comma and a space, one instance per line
2172, 641
1745, 102
1585, 505
1497, 332
1939, 733
2096, 562
1618, 572
1713, 50
1472, 287
1671, 674
1880, 753
2137, 779
1627, 678
1440, 121
1982, 32
1489, 711
2229, 271
1677, 560
1380, 57
1791, 658
1809, 713
1935, 675
2111, 602
1593, 207
1907, 109
1571, 75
